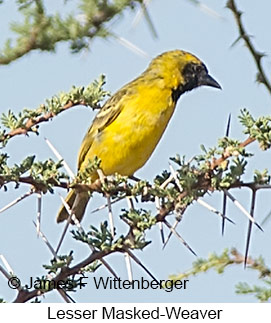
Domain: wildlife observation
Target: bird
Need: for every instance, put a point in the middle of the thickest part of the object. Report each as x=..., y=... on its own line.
x=128, y=127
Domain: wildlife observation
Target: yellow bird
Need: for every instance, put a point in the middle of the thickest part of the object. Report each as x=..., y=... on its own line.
x=129, y=126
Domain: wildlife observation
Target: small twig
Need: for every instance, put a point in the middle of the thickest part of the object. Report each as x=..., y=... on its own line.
x=130, y=202
x=30, y=123
x=251, y=185
x=257, y=56
x=27, y=46
x=227, y=259
x=216, y=162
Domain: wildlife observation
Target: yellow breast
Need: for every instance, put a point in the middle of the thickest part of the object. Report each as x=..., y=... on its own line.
x=126, y=144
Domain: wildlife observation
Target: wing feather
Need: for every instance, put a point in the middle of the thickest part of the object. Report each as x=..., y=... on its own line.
x=108, y=113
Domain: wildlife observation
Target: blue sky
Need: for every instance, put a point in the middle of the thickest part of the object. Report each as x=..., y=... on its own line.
x=200, y=118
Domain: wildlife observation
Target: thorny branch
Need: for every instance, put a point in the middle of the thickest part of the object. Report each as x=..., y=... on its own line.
x=25, y=295
x=30, y=123
x=44, y=31
x=227, y=259
x=28, y=120
x=202, y=183
x=216, y=162
x=257, y=56
x=216, y=262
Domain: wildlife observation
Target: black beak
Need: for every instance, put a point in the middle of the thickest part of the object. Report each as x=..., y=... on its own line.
x=205, y=79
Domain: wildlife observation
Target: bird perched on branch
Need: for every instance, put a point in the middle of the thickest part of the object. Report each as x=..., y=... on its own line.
x=129, y=126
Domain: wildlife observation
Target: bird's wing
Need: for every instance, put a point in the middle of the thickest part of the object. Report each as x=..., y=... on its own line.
x=109, y=112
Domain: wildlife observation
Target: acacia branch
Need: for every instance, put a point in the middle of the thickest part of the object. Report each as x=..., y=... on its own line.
x=46, y=31
x=32, y=122
x=29, y=120
x=228, y=258
x=257, y=56
x=217, y=162
x=28, y=45
x=204, y=182
x=25, y=295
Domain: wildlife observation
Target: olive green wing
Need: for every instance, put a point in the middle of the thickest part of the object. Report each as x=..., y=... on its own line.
x=109, y=112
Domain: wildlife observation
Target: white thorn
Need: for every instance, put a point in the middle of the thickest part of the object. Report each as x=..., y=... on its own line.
x=209, y=207
x=81, y=230
x=59, y=157
x=174, y=174
x=106, y=205
x=167, y=181
x=42, y=235
x=128, y=266
x=241, y=208
x=38, y=213
x=110, y=216
x=109, y=205
x=126, y=43
x=7, y=265
x=140, y=13
x=17, y=200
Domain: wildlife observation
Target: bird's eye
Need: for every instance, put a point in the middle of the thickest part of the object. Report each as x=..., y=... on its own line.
x=198, y=68
x=192, y=71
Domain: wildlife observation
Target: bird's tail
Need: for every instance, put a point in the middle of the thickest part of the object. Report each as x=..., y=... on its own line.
x=77, y=202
